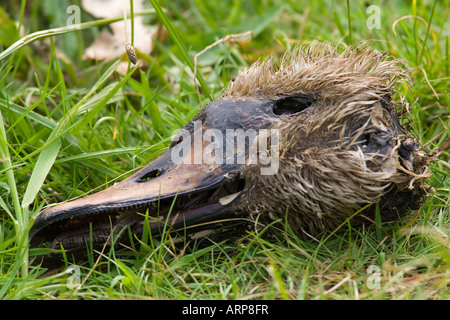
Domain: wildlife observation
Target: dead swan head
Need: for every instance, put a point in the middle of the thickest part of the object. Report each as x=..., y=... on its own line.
x=313, y=141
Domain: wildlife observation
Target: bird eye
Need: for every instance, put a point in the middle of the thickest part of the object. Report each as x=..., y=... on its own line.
x=291, y=105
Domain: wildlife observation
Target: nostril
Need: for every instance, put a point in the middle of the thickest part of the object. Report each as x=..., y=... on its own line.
x=149, y=176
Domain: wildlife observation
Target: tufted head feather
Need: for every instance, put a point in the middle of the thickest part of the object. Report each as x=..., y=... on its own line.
x=319, y=69
x=341, y=153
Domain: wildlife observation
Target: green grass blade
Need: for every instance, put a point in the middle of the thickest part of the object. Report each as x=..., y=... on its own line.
x=48, y=155
x=25, y=111
x=96, y=109
x=5, y=159
x=5, y=207
x=176, y=38
x=21, y=219
x=350, y=40
x=419, y=60
x=19, y=110
x=43, y=165
x=378, y=225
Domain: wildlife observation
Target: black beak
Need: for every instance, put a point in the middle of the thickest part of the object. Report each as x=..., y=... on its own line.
x=194, y=183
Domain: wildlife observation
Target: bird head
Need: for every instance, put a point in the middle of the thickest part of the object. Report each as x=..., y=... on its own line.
x=313, y=138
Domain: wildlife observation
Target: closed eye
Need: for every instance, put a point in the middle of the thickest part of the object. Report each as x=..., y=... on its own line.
x=291, y=104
